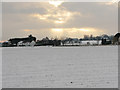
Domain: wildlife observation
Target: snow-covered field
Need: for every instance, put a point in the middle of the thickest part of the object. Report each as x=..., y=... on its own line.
x=60, y=67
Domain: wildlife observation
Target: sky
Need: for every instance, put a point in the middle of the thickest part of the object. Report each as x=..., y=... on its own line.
x=0, y=21
x=58, y=19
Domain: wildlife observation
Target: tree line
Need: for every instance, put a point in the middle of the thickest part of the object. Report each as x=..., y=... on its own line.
x=30, y=40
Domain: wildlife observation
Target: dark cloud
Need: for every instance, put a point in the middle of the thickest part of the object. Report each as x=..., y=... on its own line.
x=0, y=21
x=97, y=15
x=22, y=8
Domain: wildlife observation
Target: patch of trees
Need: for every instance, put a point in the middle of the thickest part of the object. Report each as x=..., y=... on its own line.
x=47, y=42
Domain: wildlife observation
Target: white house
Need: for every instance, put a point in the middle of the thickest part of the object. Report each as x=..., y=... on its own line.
x=91, y=42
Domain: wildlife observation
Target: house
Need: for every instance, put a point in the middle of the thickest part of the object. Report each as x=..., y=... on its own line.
x=71, y=41
x=15, y=41
x=90, y=42
x=5, y=44
x=116, y=39
x=106, y=40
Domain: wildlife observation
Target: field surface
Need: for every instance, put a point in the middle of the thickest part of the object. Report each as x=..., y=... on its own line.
x=60, y=67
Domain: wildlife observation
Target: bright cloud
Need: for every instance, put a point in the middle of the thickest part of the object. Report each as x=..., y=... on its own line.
x=75, y=32
x=58, y=15
x=27, y=30
x=57, y=30
x=88, y=29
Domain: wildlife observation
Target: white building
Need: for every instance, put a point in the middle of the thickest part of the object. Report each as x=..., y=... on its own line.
x=91, y=42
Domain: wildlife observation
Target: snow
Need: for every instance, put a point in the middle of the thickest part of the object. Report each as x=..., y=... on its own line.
x=0, y=68
x=26, y=44
x=60, y=67
x=85, y=42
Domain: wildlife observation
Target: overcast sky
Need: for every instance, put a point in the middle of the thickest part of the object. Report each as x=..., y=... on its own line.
x=61, y=19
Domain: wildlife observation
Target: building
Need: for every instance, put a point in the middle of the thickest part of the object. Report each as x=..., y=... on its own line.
x=116, y=39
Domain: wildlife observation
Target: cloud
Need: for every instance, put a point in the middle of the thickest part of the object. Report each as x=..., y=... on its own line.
x=72, y=17
x=27, y=30
x=24, y=7
x=75, y=32
x=93, y=15
x=57, y=15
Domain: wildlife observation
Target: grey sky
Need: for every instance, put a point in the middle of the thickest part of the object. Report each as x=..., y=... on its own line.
x=0, y=21
x=70, y=19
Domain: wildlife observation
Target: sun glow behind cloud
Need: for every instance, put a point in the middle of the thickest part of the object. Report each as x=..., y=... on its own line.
x=56, y=15
x=55, y=3
x=57, y=30
x=74, y=32
x=27, y=30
